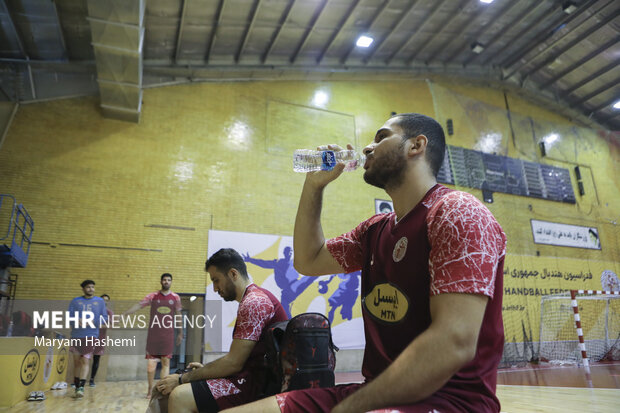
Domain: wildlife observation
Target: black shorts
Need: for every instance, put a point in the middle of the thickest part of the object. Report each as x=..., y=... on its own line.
x=203, y=397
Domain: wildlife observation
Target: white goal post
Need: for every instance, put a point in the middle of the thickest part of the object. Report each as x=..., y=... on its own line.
x=579, y=327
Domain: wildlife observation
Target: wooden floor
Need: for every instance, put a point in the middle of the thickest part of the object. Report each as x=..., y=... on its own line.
x=521, y=390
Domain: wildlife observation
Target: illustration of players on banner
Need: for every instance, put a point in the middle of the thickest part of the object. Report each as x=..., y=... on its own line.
x=269, y=259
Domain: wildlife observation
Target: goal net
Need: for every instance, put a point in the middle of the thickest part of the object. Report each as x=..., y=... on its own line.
x=579, y=327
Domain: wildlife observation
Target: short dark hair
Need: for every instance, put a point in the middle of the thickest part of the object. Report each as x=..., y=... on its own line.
x=165, y=275
x=105, y=295
x=86, y=282
x=225, y=259
x=415, y=124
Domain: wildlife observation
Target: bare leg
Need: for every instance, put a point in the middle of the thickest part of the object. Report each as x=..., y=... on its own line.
x=151, y=366
x=84, y=368
x=268, y=405
x=181, y=400
x=165, y=367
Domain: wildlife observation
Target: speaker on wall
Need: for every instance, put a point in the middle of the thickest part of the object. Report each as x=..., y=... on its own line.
x=580, y=186
x=577, y=172
x=450, y=127
x=543, y=150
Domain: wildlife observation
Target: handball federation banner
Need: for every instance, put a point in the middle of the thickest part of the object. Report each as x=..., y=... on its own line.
x=269, y=259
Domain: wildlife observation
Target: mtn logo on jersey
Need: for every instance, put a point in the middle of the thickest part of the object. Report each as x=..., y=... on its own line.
x=400, y=249
x=387, y=303
x=163, y=310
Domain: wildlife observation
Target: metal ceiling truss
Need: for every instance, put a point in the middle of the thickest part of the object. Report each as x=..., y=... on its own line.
x=403, y=46
x=580, y=62
x=379, y=44
x=581, y=37
x=248, y=30
x=483, y=29
x=367, y=28
x=309, y=29
x=342, y=23
x=613, y=65
x=276, y=34
x=548, y=32
x=216, y=24
x=180, y=31
x=527, y=29
x=606, y=87
x=503, y=31
x=428, y=41
x=459, y=31
x=117, y=28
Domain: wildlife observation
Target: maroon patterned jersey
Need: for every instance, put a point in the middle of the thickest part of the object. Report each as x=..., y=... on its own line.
x=449, y=243
x=258, y=309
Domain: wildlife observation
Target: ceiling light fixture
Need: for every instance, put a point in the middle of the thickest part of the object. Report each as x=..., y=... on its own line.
x=617, y=104
x=364, y=41
x=569, y=7
x=486, y=1
x=477, y=47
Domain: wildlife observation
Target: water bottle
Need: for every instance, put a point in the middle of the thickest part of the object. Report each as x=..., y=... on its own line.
x=9, y=332
x=307, y=160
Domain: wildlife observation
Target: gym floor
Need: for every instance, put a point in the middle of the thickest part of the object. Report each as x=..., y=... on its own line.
x=531, y=389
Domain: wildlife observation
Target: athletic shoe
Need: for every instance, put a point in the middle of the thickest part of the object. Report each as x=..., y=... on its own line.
x=79, y=393
x=61, y=385
x=55, y=386
x=73, y=385
x=32, y=396
x=91, y=383
x=40, y=396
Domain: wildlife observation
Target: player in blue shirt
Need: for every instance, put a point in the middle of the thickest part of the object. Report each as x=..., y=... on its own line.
x=83, y=349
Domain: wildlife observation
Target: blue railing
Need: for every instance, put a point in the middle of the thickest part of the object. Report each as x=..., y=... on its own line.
x=15, y=243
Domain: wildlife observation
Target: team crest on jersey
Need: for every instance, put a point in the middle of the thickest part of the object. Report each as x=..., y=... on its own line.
x=170, y=302
x=387, y=303
x=400, y=249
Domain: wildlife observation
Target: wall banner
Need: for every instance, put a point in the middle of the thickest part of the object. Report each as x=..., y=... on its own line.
x=269, y=259
x=564, y=235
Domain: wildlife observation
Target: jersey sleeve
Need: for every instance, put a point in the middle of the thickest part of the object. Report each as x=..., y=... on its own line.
x=253, y=314
x=177, y=303
x=467, y=244
x=347, y=248
x=147, y=300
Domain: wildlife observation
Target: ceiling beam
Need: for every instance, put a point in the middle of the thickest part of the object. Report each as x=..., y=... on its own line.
x=309, y=29
x=378, y=45
x=343, y=22
x=216, y=23
x=585, y=98
x=603, y=105
x=366, y=29
x=180, y=30
x=276, y=34
x=546, y=33
x=580, y=62
x=560, y=51
x=248, y=30
x=504, y=30
x=531, y=26
x=61, y=34
x=614, y=64
x=463, y=46
x=452, y=15
x=20, y=44
x=427, y=18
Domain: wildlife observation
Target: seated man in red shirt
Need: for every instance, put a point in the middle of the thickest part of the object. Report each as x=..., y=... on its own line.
x=431, y=290
x=237, y=377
